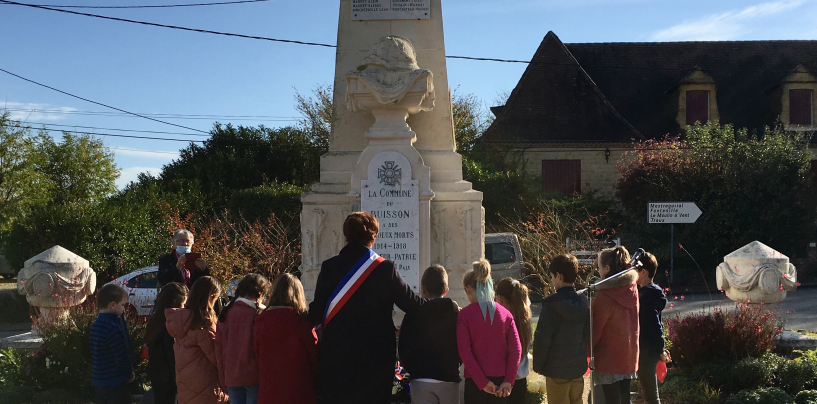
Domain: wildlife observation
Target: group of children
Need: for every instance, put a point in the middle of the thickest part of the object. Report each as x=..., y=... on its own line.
x=628, y=335
x=262, y=349
x=253, y=352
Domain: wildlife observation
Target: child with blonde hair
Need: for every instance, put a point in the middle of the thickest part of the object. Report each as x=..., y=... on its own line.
x=194, y=328
x=487, y=340
x=513, y=295
x=615, y=325
x=285, y=346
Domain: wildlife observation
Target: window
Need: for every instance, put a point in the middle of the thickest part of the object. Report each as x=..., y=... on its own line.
x=697, y=105
x=500, y=253
x=146, y=280
x=563, y=176
x=800, y=107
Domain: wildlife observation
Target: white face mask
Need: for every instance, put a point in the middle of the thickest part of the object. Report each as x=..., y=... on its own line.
x=182, y=249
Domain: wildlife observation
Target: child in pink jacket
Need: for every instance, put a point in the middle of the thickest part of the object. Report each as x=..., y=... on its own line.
x=487, y=341
x=194, y=328
x=237, y=368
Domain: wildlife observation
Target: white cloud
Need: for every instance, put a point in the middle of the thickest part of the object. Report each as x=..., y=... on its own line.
x=146, y=154
x=130, y=174
x=36, y=112
x=724, y=26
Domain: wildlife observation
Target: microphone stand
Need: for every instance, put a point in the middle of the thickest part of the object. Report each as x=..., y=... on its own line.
x=590, y=290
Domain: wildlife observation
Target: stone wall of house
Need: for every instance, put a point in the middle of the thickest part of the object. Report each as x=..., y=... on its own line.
x=597, y=173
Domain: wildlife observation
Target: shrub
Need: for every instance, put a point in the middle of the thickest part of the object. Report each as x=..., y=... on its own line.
x=64, y=359
x=681, y=388
x=711, y=165
x=771, y=395
x=12, y=363
x=536, y=398
x=806, y=397
x=796, y=375
x=731, y=335
x=544, y=225
x=234, y=246
x=750, y=373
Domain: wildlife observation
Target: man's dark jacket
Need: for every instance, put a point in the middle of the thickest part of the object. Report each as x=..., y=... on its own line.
x=358, y=347
x=560, y=342
x=428, y=342
x=651, y=301
x=169, y=273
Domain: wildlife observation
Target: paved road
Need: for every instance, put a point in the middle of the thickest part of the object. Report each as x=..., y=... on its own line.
x=798, y=311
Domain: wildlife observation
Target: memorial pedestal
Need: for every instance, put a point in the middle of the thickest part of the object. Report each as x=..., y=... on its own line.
x=387, y=117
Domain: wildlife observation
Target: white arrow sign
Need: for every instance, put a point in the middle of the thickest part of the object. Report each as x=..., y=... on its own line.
x=673, y=212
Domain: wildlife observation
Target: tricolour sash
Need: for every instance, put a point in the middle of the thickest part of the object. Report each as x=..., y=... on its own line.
x=350, y=283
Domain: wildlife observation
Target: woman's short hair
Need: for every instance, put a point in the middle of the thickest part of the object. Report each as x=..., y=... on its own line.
x=185, y=232
x=360, y=228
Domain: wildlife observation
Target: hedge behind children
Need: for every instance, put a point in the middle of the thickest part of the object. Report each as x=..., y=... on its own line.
x=161, y=369
x=652, y=301
x=111, y=349
x=513, y=295
x=428, y=343
x=487, y=340
x=560, y=344
x=285, y=346
x=234, y=340
x=194, y=328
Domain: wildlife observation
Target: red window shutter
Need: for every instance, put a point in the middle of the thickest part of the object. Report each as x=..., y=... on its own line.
x=800, y=107
x=563, y=176
x=697, y=106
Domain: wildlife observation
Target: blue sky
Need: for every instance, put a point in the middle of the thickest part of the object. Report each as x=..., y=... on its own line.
x=155, y=70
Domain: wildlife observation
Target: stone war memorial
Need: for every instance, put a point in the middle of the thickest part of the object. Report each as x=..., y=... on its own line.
x=392, y=150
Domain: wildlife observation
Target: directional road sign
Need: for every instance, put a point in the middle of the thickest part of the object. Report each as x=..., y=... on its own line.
x=673, y=212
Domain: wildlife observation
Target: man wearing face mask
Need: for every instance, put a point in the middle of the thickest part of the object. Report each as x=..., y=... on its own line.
x=172, y=266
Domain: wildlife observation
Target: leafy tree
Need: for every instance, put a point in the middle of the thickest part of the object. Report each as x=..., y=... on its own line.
x=753, y=187
x=237, y=158
x=80, y=169
x=316, y=115
x=21, y=184
x=470, y=120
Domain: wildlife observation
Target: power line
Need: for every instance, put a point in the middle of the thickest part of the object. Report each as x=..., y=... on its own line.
x=178, y=116
x=158, y=6
x=99, y=103
x=116, y=129
x=125, y=136
x=225, y=33
x=171, y=26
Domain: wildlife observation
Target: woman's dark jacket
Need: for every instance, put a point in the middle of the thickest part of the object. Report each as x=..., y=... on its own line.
x=358, y=348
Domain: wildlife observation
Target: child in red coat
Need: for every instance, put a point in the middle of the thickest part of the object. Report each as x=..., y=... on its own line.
x=285, y=346
x=615, y=323
x=234, y=340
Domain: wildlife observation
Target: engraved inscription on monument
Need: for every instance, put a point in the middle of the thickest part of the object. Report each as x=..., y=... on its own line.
x=392, y=197
x=363, y=10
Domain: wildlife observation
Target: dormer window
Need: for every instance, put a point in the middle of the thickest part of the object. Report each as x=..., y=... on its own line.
x=697, y=106
x=801, y=107
x=798, y=110
x=697, y=99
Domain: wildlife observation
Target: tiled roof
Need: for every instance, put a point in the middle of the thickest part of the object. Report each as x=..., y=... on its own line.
x=602, y=92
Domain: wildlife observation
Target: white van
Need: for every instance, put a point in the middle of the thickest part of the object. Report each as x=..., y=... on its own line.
x=503, y=252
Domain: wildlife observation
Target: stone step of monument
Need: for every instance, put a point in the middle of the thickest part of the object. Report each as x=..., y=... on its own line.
x=795, y=340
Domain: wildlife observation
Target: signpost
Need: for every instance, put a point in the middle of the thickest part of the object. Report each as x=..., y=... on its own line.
x=672, y=213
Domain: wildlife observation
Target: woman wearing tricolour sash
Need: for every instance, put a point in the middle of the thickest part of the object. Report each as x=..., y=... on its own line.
x=353, y=303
